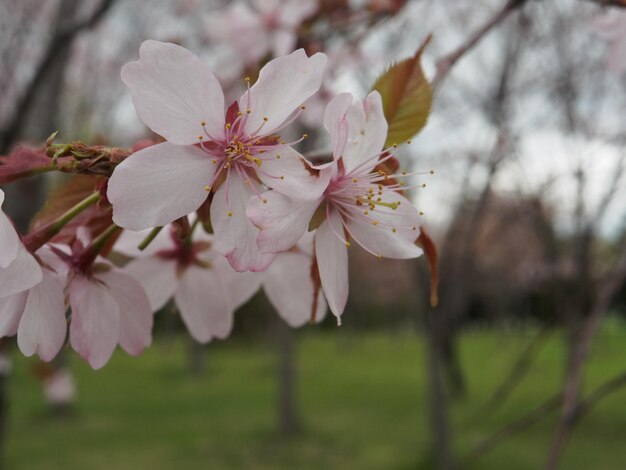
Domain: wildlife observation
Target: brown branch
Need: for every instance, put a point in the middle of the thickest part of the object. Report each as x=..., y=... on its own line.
x=541, y=411
x=60, y=42
x=573, y=379
x=447, y=62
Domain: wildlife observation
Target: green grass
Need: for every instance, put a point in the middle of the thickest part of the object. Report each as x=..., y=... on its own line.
x=361, y=396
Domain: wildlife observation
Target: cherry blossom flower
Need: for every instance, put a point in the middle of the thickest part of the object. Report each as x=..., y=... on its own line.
x=612, y=27
x=270, y=26
x=230, y=154
x=18, y=268
x=108, y=307
x=360, y=203
x=207, y=290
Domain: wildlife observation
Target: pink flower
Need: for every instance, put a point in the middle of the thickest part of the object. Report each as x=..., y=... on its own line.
x=360, y=202
x=612, y=26
x=269, y=27
x=108, y=307
x=206, y=289
x=18, y=268
x=231, y=154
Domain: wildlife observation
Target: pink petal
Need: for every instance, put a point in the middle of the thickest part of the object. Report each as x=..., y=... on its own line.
x=157, y=277
x=174, y=92
x=23, y=273
x=367, y=132
x=9, y=240
x=235, y=236
x=95, y=325
x=289, y=287
x=380, y=239
x=332, y=262
x=11, y=309
x=159, y=184
x=284, y=84
x=292, y=175
x=283, y=42
x=43, y=326
x=239, y=287
x=282, y=220
x=135, y=313
x=336, y=123
x=203, y=304
x=294, y=12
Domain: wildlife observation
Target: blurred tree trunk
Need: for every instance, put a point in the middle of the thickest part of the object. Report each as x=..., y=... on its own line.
x=288, y=418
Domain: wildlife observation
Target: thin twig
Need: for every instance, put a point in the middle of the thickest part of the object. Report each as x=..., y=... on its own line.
x=445, y=63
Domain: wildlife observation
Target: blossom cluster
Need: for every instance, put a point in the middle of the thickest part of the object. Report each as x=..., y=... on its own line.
x=221, y=207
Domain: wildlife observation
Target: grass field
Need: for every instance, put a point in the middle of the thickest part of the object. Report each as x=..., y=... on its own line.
x=361, y=397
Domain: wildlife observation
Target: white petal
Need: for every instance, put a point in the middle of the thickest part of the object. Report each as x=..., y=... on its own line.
x=128, y=242
x=282, y=220
x=292, y=175
x=380, y=239
x=284, y=84
x=367, y=132
x=11, y=309
x=332, y=262
x=174, y=92
x=235, y=236
x=159, y=184
x=136, y=317
x=9, y=240
x=204, y=305
x=23, y=273
x=290, y=289
x=239, y=287
x=95, y=325
x=43, y=326
x=336, y=123
x=157, y=277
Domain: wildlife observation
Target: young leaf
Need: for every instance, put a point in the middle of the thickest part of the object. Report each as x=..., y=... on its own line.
x=407, y=97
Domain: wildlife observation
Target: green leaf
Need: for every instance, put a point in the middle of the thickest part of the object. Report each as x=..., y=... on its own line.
x=407, y=97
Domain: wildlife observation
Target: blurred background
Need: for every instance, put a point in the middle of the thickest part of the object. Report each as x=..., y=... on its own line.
x=521, y=364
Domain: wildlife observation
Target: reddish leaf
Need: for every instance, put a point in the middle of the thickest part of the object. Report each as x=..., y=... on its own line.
x=430, y=250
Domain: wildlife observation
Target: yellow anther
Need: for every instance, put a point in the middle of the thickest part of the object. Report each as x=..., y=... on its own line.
x=207, y=188
x=375, y=222
x=239, y=113
x=248, y=111
x=409, y=141
x=394, y=230
x=366, y=212
x=379, y=256
x=395, y=146
x=277, y=157
x=347, y=244
x=203, y=123
x=304, y=136
x=229, y=214
x=228, y=125
x=282, y=177
x=414, y=228
x=265, y=118
x=423, y=185
x=264, y=201
x=200, y=137
x=303, y=107
x=421, y=213
x=432, y=172
x=261, y=151
x=257, y=161
x=404, y=173
x=247, y=79
x=355, y=180
x=214, y=161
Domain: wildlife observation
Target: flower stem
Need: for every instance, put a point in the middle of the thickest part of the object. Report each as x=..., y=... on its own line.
x=37, y=239
x=151, y=236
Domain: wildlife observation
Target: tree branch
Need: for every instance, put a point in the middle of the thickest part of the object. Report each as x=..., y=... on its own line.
x=447, y=62
x=61, y=41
